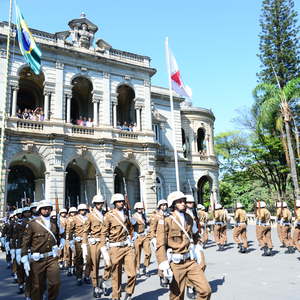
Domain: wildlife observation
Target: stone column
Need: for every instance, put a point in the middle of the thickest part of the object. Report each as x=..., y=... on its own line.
x=68, y=97
x=39, y=189
x=138, y=118
x=46, y=104
x=115, y=114
x=14, y=100
x=142, y=180
x=95, y=113
x=211, y=141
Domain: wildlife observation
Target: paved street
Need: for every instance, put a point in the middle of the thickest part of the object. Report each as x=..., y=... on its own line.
x=233, y=276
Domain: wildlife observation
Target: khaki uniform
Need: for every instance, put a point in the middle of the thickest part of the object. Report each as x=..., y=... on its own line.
x=264, y=218
x=287, y=227
x=64, y=255
x=142, y=242
x=70, y=255
x=240, y=230
x=279, y=224
x=11, y=235
x=258, y=229
x=37, y=239
x=203, y=219
x=296, y=235
x=170, y=236
x=92, y=235
x=75, y=232
x=220, y=226
x=119, y=251
x=5, y=230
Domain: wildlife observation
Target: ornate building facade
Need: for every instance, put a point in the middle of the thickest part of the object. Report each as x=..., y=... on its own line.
x=92, y=122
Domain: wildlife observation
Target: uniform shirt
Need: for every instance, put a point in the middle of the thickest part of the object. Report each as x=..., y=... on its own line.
x=155, y=217
x=286, y=215
x=169, y=235
x=203, y=217
x=94, y=225
x=141, y=223
x=220, y=215
x=113, y=230
x=240, y=216
x=264, y=215
x=278, y=213
x=37, y=239
x=76, y=227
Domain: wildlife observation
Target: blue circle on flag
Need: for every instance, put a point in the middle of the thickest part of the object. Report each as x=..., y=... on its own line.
x=25, y=40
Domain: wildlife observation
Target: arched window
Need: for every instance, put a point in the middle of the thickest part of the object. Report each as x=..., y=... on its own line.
x=200, y=139
x=125, y=109
x=159, y=189
x=184, y=144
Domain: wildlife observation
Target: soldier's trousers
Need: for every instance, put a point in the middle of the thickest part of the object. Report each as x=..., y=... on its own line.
x=70, y=255
x=139, y=244
x=122, y=256
x=204, y=234
x=192, y=272
x=220, y=234
x=286, y=231
x=296, y=238
x=279, y=232
x=95, y=261
x=20, y=274
x=240, y=235
x=78, y=261
x=266, y=236
x=42, y=271
x=259, y=235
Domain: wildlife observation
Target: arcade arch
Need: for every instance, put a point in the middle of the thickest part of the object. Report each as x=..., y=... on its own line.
x=204, y=189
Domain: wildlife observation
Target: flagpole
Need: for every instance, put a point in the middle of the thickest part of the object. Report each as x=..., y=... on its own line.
x=172, y=116
x=2, y=187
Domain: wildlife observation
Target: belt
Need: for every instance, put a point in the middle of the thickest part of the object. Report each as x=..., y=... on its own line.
x=37, y=256
x=142, y=234
x=180, y=258
x=242, y=223
x=219, y=223
x=118, y=244
x=286, y=223
x=264, y=224
x=258, y=223
x=93, y=241
x=78, y=239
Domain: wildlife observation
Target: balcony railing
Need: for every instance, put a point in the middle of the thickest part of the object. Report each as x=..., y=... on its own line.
x=82, y=130
x=31, y=125
x=127, y=135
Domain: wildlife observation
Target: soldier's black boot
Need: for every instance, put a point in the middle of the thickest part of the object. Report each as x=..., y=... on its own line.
x=87, y=280
x=104, y=287
x=270, y=252
x=239, y=245
x=219, y=247
x=290, y=250
x=242, y=249
x=190, y=292
x=21, y=289
x=69, y=272
x=162, y=282
x=127, y=297
x=265, y=248
x=79, y=281
x=97, y=292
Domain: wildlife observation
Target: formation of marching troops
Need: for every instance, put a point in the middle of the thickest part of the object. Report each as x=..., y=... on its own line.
x=39, y=242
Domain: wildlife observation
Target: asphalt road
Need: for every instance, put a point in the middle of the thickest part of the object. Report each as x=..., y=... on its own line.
x=232, y=276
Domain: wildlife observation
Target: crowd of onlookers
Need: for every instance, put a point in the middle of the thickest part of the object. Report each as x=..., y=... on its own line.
x=126, y=126
x=83, y=121
x=30, y=114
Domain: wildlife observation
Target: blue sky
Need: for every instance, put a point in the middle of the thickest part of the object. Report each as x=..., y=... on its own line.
x=215, y=42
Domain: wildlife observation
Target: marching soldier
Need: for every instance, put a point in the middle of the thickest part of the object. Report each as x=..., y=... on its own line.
x=65, y=252
x=296, y=236
x=279, y=222
x=264, y=218
x=258, y=228
x=41, y=239
x=287, y=229
x=240, y=231
x=33, y=209
x=179, y=253
x=11, y=235
x=5, y=239
x=203, y=219
x=70, y=244
x=159, y=214
x=92, y=236
x=75, y=233
x=117, y=229
x=142, y=242
x=220, y=226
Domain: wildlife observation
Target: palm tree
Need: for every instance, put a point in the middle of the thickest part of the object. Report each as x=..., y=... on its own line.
x=273, y=114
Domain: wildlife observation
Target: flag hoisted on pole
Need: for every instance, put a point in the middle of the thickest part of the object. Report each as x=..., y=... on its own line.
x=28, y=47
x=175, y=84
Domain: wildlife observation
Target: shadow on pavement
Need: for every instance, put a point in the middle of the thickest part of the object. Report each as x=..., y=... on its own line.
x=251, y=250
x=215, y=283
x=152, y=294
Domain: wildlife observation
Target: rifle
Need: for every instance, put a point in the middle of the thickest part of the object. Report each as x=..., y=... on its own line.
x=195, y=210
x=128, y=211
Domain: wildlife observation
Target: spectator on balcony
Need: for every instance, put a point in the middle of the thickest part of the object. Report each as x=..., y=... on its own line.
x=89, y=123
x=79, y=121
x=84, y=121
x=41, y=116
x=119, y=125
x=25, y=114
x=125, y=126
x=19, y=114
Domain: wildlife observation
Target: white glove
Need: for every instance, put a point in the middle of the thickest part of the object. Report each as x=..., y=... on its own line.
x=26, y=265
x=62, y=244
x=105, y=256
x=198, y=251
x=132, y=220
x=13, y=254
x=18, y=256
x=84, y=251
x=153, y=243
x=72, y=245
x=55, y=250
x=92, y=241
x=134, y=236
x=3, y=241
x=7, y=247
x=167, y=271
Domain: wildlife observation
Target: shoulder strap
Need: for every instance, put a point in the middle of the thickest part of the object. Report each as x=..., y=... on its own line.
x=119, y=221
x=45, y=227
x=181, y=227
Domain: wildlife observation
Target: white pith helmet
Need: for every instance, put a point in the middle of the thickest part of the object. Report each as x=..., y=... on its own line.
x=190, y=198
x=239, y=205
x=82, y=206
x=175, y=196
x=98, y=199
x=44, y=203
x=72, y=209
x=200, y=206
x=63, y=210
x=138, y=205
x=218, y=206
x=116, y=197
x=161, y=202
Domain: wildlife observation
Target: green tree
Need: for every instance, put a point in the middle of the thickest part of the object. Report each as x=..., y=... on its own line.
x=278, y=41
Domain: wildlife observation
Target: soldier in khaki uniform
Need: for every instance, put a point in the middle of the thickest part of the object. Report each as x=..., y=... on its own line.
x=142, y=242
x=69, y=240
x=286, y=229
x=296, y=235
x=264, y=218
x=5, y=239
x=117, y=229
x=11, y=235
x=92, y=236
x=75, y=235
x=203, y=219
x=180, y=256
x=65, y=252
x=41, y=239
x=240, y=232
x=279, y=222
x=220, y=226
x=258, y=228
x=159, y=214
